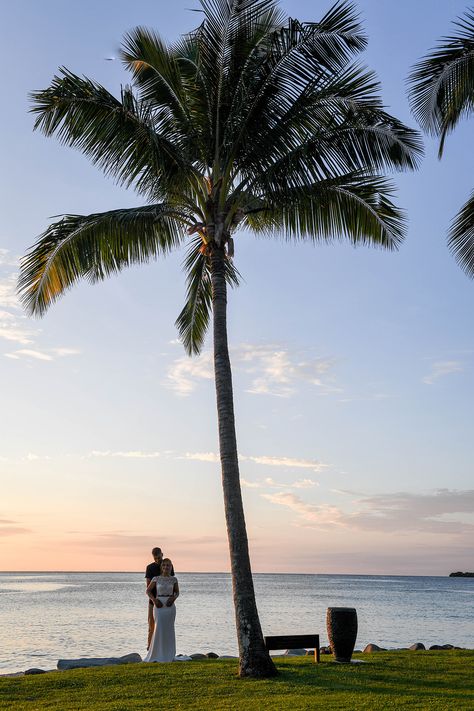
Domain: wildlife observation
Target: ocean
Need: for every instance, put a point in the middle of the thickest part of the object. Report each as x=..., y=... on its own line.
x=49, y=616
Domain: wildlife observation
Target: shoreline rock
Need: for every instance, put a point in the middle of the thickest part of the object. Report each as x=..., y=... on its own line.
x=373, y=648
x=85, y=662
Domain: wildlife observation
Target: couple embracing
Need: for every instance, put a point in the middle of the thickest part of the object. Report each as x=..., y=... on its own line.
x=162, y=589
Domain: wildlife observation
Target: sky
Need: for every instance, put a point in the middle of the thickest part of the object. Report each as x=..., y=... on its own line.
x=353, y=368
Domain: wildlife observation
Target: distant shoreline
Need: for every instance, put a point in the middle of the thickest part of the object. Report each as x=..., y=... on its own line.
x=461, y=575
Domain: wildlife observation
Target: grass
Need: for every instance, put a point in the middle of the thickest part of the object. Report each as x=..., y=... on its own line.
x=388, y=680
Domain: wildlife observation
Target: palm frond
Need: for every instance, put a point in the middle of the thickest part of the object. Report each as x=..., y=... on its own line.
x=441, y=85
x=94, y=247
x=118, y=135
x=334, y=130
x=199, y=93
x=193, y=321
x=461, y=237
x=155, y=71
x=356, y=207
x=293, y=57
x=163, y=82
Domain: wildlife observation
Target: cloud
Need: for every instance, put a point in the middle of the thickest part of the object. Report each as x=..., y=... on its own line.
x=276, y=376
x=8, y=297
x=184, y=372
x=62, y=352
x=270, y=369
x=288, y=462
x=265, y=460
x=250, y=484
x=299, y=484
x=211, y=458
x=28, y=353
x=12, y=322
x=119, y=541
x=441, y=369
x=44, y=355
x=14, y=326
x=277, y=370
x=133, y=454
x=110, y=542
x=441, y=511
x=200, y=541
x=434, y=503
x=268, y=482
x=304, y=484
x=7, y=259
x=11, y=528
x=202, y=456
x=13, y=330
x=12, y=531
x=318, y=515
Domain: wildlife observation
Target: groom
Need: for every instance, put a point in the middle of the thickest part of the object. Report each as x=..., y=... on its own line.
x=152, y=570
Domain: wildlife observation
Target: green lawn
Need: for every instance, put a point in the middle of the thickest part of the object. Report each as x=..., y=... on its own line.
x=388, y=680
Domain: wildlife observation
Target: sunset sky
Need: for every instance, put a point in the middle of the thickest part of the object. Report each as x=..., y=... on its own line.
x=353, y=368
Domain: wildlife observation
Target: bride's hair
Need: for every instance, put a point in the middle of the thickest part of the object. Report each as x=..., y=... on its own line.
x=167, y=560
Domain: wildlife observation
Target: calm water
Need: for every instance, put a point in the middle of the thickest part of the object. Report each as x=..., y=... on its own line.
x=48, y=616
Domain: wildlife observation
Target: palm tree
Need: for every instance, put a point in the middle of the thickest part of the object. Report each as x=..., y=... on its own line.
x=441, y=91
x=251, y=121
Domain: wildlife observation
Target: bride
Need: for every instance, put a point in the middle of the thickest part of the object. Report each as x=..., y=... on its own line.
x=163, y=591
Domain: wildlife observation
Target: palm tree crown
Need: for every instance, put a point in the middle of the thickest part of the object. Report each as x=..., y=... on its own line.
x=251, y=121
x=441, y=92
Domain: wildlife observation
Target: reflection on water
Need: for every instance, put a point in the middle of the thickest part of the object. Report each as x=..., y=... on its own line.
x=48, y=616
x=30, y=586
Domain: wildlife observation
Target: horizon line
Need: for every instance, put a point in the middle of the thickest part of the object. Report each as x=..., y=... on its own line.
x=222, y=572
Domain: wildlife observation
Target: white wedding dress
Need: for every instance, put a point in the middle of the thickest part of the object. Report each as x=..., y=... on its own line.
x=163, y=643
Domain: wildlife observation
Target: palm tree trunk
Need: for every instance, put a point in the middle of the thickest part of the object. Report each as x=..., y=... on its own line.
x=254, y=658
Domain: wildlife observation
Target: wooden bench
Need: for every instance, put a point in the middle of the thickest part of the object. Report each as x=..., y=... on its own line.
x=294, y=641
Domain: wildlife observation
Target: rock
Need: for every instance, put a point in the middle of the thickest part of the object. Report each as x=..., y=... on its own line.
x=198, y=656
x=417, y=646
x=441, y=646
x=98, y=661
x=296, y=652
x=13, y=674
x=34, y=670
x=212, y=655
x=374, y=648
